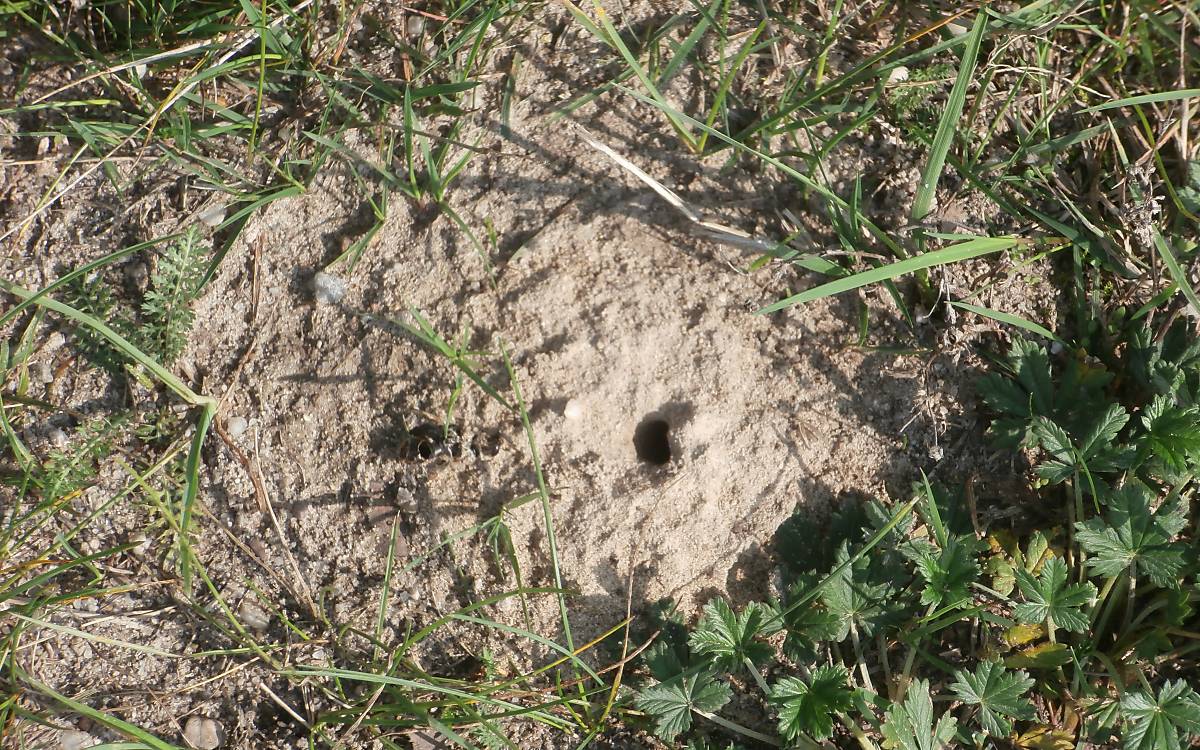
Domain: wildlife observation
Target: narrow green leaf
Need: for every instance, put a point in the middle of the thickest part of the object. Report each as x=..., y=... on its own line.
x=948, y=126
x=973, y=248
x=1155, y=98
x=1009, y=319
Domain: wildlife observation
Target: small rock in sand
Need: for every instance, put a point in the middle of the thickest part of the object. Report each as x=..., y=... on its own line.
x=573, y=410
x=212, y=216
x=73, y=739
x=203, y=733
x=328, y=289
x=236, y=426
x=253, y=617
x=58, y=437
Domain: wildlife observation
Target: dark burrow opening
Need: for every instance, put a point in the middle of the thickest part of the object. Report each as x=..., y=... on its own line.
x=652, y=441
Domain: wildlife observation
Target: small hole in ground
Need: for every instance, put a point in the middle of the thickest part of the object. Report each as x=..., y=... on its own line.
x=652, y=441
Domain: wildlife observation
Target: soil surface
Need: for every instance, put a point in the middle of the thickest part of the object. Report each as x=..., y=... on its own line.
x=675, y=430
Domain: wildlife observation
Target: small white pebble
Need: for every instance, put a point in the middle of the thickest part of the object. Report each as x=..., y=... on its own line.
x=203, y=733
x=898, y=74
x=328, y=289
x=44, y=373
x=141, y=544
x=58, y=437
x=573, y=410
x=415, y=25
x=1056, y=347
x=212, y=216
x=73, y=739
x=956, y=29
x=253, y=616
x=55, y=341
x=236, y=426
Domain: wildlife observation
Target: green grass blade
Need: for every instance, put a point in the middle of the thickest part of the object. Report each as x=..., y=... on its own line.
x=112, y=722
x=1008, y=318
x=1156, y=98
x=117, y=340
x=948, y=126
x=614, y=38
x=1177, y=273
x=953, y=254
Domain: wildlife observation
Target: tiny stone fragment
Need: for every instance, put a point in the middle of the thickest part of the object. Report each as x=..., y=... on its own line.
x=236, y=426
x=573, y=410
x=45, y=373
x=253, y=617
x=58, y=437
x=212, y=216
x=328, y=289
x=141, y=543
x=202, y=733
x=73, y=739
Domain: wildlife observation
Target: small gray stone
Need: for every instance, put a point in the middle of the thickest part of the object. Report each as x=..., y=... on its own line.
x=44, y=372
x=328, y=289
x=203, y=733
x=212, y=216
x=253, y=616
x=73, y=739
x=236, y=426
x=58, y=437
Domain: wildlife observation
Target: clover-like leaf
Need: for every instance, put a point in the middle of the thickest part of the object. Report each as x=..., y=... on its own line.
x=1162, y=722
x=909, y=725
x=1130, y=534
x=1050, y=599
x=999, y=694
x=671, y=703
x=808, y=707
x=732, y=639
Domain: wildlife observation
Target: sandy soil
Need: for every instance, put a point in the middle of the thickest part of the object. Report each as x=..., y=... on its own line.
x=614, y=313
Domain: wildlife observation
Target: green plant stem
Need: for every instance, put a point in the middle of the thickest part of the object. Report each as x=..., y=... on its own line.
x=859, y=735
x=746, y=731
x=762, y=684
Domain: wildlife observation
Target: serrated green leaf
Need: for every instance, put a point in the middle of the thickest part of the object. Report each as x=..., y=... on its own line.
x=1054, y=440
x=1162, y=722
x=1050, y=599
x=910, y=726
x=948, y=573
x=1172, y=433
x=1130, y=534
x=733, y=638
x=809, y=707
x=999, y=695
x=857, y=597
x=806, y=627
x=1104, y=432
x=671, y=703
